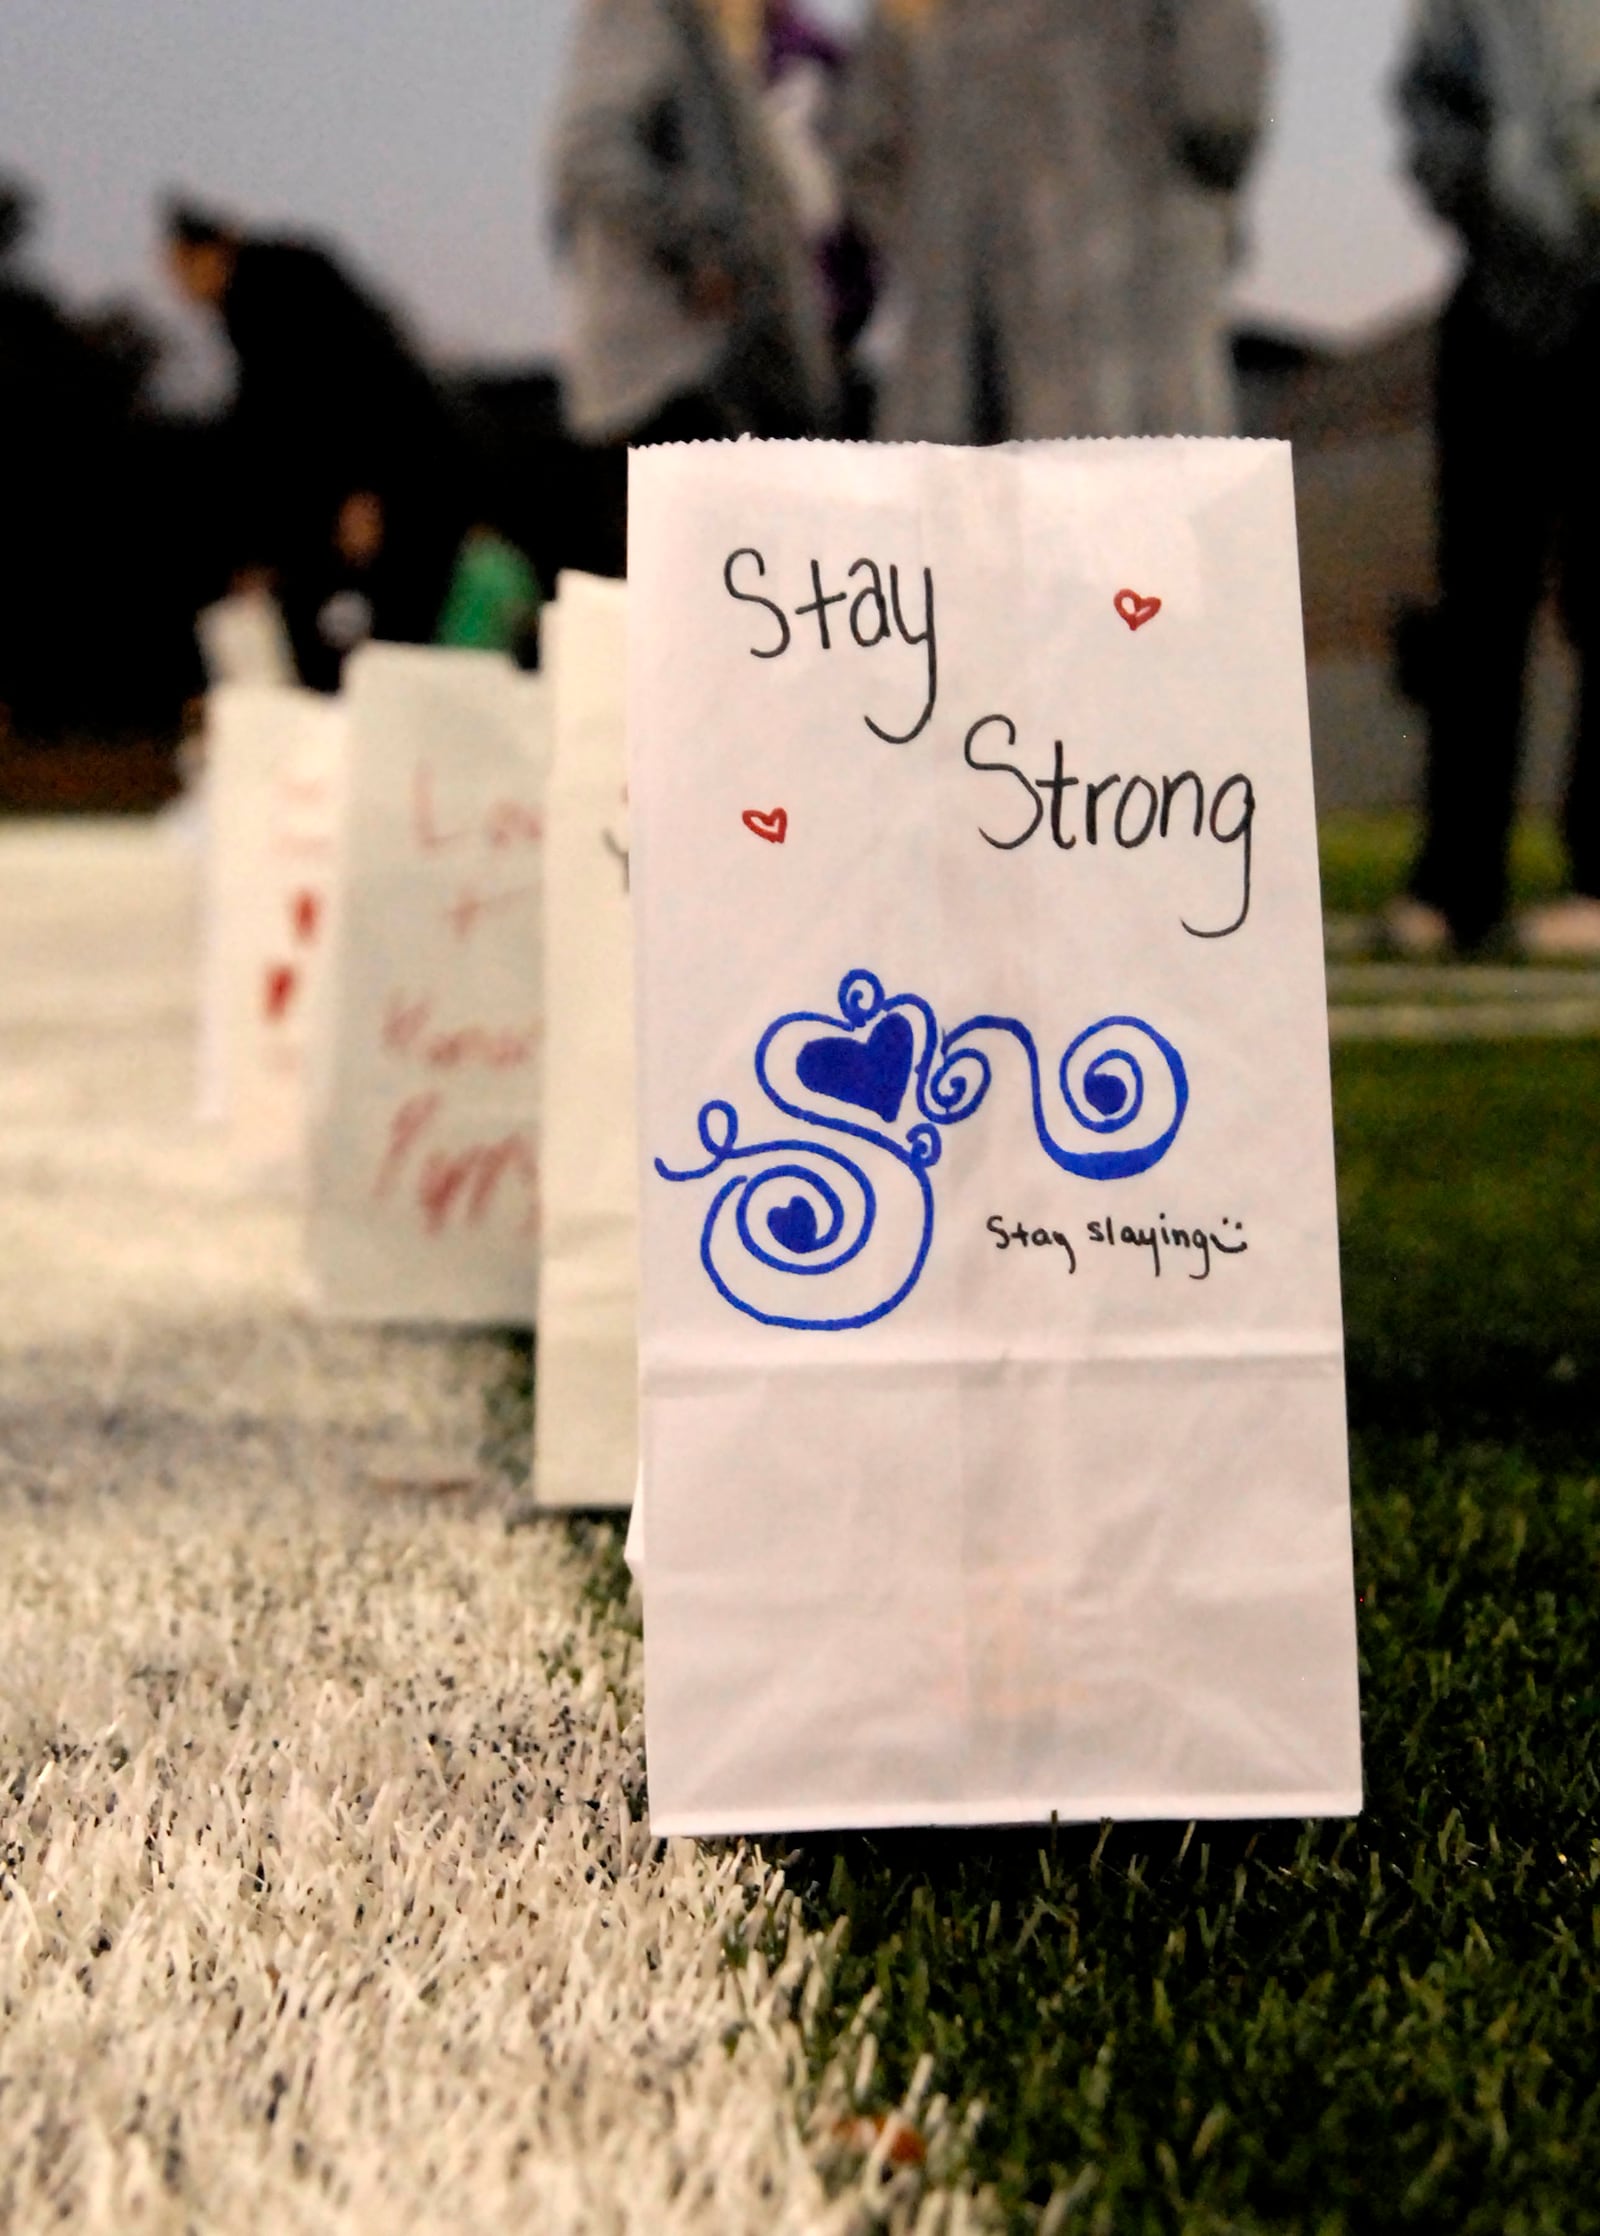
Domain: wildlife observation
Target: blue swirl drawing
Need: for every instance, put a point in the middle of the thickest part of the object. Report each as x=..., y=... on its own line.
x=858, y=1220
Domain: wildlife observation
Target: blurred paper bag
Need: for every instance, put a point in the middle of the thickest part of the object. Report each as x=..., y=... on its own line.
x=586, y=1440
x=424, y=1183
x=992, y=1404
x=243, y=640
x=273, y=765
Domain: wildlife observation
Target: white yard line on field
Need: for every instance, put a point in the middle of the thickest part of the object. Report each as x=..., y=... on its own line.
x=326, y=1905
x=1464, y=1021
x=1441, y=1002
x=1460, y=982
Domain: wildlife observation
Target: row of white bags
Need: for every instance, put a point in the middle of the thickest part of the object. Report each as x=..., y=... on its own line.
x=990, y=1408
x=416, y=1006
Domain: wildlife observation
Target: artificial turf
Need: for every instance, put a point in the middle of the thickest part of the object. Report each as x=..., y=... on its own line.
x=1390, y=2024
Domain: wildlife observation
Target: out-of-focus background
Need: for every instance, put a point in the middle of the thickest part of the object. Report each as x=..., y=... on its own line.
x=327, y=1902
x=419, y=141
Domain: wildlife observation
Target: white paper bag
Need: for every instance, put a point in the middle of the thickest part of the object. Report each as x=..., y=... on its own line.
x=992, y=1387
x=273, y=760
x=424, y=1178
x=586, y=1412
x=243, y=640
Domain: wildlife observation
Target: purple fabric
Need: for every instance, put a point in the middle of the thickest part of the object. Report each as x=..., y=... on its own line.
x=792, y=37
x=843, y=261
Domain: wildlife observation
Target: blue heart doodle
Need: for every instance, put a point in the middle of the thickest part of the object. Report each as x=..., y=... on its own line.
x=1123, y=1088
x=870, y=1074
x=794, y=1226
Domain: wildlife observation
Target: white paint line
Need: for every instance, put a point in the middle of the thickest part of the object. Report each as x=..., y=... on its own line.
x=1466, y=1021
x=328, y=1904
x=1472, y=982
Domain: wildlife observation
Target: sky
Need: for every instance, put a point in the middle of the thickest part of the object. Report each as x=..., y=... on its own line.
x=414, y=131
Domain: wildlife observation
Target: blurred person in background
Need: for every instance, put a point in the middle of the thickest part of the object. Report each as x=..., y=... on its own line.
x=494, y=600
x=39, y=367
x=696, y=308
x=1054, y=191
x=88, y=645
x=1501, y=100
x=348, y=476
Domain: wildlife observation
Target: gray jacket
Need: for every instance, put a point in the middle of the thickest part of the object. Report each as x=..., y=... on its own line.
x=1053, y=183
x=663, y=175
x=1502, y=102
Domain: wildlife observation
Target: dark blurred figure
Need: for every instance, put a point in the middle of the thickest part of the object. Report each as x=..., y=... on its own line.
x=1502, y=103
x=97, y=563
x=36, y=349
x=1054, y=193
x=61, y=404
x=697, y=310
x=349, y=476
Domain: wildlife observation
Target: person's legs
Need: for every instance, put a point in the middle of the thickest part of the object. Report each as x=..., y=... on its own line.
x=1580, y=589
x=990, y=414
x=1581, y=808
x=1495, y=508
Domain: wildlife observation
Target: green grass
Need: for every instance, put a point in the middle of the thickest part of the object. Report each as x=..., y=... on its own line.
x=1393, y=2024
x=1365, y=859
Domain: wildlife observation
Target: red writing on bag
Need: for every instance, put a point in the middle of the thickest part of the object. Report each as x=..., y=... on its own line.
x=278, y=990
x=460, y=1185
x=496, y=827
x=409, y=1030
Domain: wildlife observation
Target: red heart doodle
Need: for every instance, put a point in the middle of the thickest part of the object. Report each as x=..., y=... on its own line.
x=305, y=912
x=279, y=990
x=1136, y=611
x=774, y=828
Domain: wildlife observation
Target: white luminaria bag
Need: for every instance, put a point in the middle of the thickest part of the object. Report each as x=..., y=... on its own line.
x=424, y=1181
x=992, y=1402
x=273, y=763
x=243, y=640
x=585, y=1409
